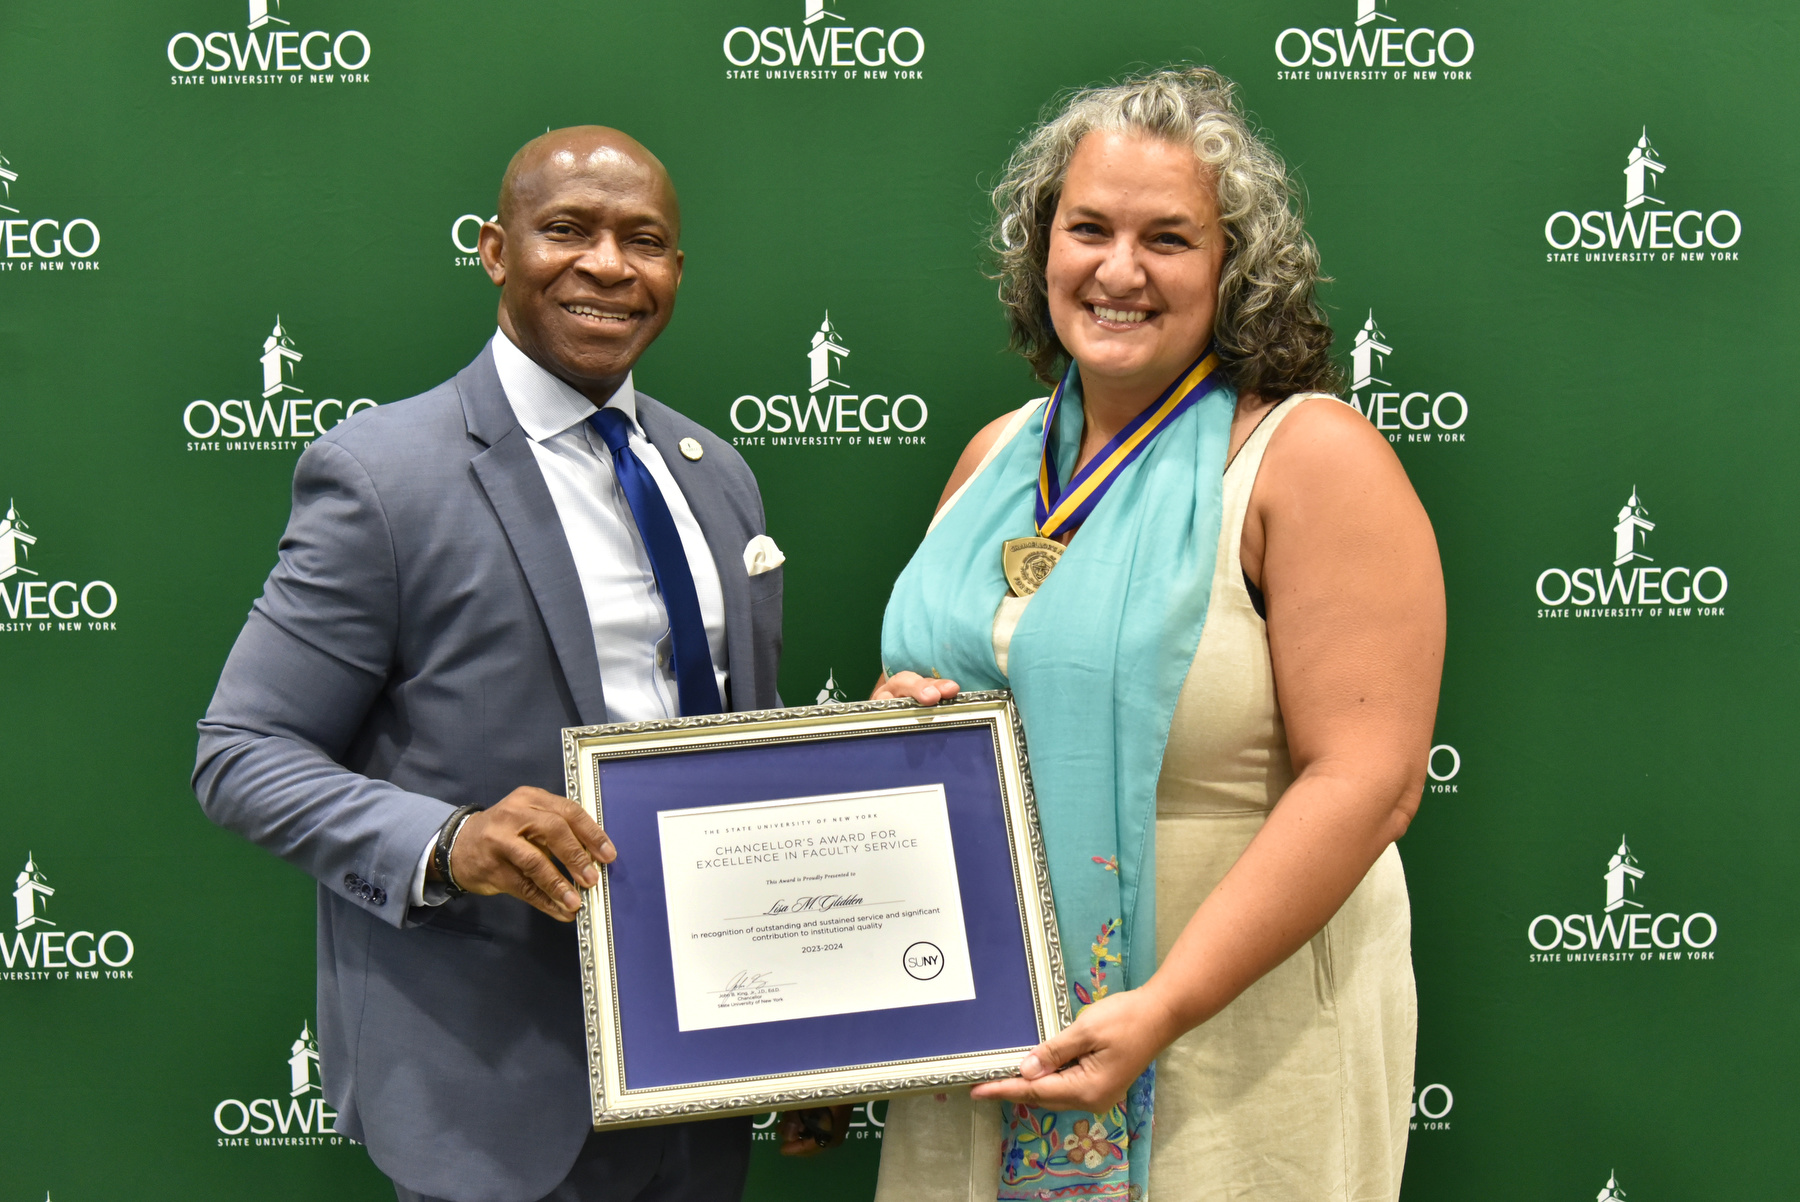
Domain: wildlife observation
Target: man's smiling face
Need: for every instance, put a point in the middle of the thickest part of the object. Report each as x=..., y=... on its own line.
x=586, y=253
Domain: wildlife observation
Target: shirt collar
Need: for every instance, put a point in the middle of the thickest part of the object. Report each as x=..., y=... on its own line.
x=545, y=405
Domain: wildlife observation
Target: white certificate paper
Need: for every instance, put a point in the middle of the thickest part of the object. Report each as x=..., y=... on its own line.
x=813, y=905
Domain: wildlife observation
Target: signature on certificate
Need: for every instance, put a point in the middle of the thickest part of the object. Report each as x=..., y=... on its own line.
x=819, y=901
x=746, y=984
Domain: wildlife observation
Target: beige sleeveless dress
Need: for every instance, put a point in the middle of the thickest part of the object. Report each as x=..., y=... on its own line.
x=1301, y=1089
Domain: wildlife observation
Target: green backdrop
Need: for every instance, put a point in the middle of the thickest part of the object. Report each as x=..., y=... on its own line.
x=1562, y=243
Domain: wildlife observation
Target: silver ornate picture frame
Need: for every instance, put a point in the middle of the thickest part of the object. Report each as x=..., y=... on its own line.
x=702, y=1085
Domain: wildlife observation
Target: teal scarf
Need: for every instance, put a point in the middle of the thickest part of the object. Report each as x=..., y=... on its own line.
x=1097, y=663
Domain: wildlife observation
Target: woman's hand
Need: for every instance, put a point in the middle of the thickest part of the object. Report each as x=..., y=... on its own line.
x=926, y=690
x=1102, y=1052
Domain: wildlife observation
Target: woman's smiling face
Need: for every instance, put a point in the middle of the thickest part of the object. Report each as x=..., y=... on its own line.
x=1135, y=255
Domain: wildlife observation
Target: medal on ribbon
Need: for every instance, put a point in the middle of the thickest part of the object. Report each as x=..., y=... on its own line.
x=1027, y=561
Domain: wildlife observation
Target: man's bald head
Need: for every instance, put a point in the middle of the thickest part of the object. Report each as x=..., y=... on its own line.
x=587, y=253
x=595, y=151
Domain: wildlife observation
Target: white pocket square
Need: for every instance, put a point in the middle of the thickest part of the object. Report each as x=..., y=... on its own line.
x=762, y=555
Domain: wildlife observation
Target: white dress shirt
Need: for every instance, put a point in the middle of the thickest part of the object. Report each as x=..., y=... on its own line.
x=631, y=627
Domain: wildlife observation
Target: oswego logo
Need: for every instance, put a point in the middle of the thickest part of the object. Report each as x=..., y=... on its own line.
x=1431, y=1106
x=31, y=603
x=38, y=244
x=828, y=46
x=301, y=1119
x=1647, y=228
x=1377, y=47
x=40, y=949
x=1625, y=929
x=1611, y=1191
x=828, y=413
x=1405, y=416
x=277, y=420
x=1443, y=766
x=831, y=694
x=274, y=56
x=1635, y=586
x=866, y=1122
x=465, y=235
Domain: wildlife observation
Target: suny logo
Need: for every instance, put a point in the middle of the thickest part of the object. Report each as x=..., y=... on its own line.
x=281, y=420
x=828, y=47
x=42, y=605
x=840, y=418
x=39, y=243
x=1625, y=929
x=40, y=950
x=1646, y=228
x=301, y=1119
x=1635, y=587
x=275, y=56
x=1405, y=416
x=1376, y=47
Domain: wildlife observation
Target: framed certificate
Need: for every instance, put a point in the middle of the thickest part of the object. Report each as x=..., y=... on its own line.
x=812, y=905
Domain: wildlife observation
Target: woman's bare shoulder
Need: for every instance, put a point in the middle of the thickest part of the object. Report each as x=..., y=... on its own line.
x=1326, y=444
x=977, y=450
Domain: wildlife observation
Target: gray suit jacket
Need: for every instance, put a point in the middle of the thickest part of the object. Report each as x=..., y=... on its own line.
x=420, y=644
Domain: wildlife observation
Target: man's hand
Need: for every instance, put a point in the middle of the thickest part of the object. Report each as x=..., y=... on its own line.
x=809, y=1132
x=1100, y=1054
x=513, y=848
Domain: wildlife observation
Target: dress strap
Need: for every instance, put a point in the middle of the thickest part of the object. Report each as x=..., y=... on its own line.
x=1240, y=481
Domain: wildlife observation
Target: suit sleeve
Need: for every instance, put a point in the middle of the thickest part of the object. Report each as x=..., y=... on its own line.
x=312, y=658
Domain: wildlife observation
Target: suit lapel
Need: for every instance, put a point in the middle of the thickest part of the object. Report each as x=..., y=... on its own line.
x=725, y=538
x=508, y=473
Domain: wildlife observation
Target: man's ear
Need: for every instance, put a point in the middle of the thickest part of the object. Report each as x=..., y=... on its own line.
x=491, y=245
x=680, y=260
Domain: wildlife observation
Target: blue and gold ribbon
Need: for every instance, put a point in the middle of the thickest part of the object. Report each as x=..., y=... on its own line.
x=1060, y=510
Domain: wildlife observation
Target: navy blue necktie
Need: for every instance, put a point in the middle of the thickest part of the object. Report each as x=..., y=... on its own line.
x=668, y=559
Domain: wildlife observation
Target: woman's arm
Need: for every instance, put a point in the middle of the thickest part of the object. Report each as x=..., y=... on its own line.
x=1349, y=566
x=922, y=689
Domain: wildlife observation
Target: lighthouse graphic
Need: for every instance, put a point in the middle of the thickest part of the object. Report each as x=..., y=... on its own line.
x=1365, y=12
x=14, y=539
x=278, y=359
x=303, y=1064
x=1629, y=534
x=1610, y=1192
x=8, y=177
x=30, y=896
x=831, y=694
x=1642, y=166
x=1368, y=352
x=815, y=11
x=827, y=349
x=259, y=14
x=1622, y=876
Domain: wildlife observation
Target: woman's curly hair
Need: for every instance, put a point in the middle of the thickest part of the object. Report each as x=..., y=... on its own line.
x=1270, y=333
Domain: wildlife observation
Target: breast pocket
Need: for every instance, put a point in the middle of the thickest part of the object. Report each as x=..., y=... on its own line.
x=765, y=588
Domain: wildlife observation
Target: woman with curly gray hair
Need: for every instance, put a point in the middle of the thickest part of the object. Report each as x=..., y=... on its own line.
x=1228, y=681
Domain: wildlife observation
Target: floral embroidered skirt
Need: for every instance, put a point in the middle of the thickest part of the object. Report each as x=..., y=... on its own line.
x=1299, y=1091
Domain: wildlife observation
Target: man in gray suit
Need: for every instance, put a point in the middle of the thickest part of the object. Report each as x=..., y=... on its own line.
x=531, y=545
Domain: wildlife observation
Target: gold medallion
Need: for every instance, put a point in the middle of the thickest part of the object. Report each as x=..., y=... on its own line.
x=1027, y=562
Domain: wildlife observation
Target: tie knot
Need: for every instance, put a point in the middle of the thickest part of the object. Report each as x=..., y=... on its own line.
x=614, y=428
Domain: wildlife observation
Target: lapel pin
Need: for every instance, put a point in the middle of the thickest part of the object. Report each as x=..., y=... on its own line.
x=691, y=448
